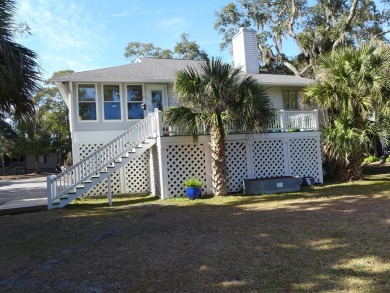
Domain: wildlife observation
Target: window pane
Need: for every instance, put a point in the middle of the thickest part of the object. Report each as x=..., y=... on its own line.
x=111, y=93
x=112, y=110
x=134, y=93
x=294, y=100
x=286, y=100
x=134, y=111
x=87, y=111
x=86, y=92
x=157, y=100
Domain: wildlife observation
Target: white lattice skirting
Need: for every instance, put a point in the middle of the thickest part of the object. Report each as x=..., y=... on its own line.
x=255, y=156
x=133, y=178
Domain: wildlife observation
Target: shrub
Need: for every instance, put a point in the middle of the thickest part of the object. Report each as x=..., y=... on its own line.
x=193, y=182
x=370, y=159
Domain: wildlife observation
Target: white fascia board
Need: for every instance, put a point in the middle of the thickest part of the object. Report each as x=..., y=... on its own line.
x=64, y=91
x=284, y=84
x=122, y=80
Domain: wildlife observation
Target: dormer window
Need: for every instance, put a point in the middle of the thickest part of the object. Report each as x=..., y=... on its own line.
x=86, y=95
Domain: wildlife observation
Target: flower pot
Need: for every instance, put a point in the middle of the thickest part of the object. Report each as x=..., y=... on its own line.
x=194, y=192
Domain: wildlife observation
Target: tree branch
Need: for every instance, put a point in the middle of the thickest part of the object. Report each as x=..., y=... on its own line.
x=292, y=68
x=292, y=20
x=347, y=25
x=378, y=35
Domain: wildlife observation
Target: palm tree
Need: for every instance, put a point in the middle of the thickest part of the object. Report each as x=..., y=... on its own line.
x=352, y=83
x=213, y=96
x=19, y=71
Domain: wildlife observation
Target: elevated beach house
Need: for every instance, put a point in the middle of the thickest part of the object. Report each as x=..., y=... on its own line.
x=121, y=144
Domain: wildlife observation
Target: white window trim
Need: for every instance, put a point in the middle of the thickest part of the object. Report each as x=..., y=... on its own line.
x=126, y=101
x=78, y=103
x=164, y=89
x=120, y=102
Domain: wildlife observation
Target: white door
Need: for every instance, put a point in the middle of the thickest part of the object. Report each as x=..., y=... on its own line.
x=156, y=97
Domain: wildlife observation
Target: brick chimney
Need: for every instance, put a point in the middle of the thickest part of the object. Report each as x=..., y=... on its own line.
x=245, y=50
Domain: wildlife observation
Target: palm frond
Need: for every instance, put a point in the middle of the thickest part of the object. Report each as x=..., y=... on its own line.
x=183, y=118
x=19, y=70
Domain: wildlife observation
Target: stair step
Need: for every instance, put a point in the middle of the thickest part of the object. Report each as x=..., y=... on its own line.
x=56, y=202
x=80, y=186
x=87, y=181
x=95, y=176
x=110, y=166
x=64, y=197
x=72, y=192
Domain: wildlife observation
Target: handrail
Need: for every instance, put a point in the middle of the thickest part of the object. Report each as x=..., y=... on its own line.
x=150, y=127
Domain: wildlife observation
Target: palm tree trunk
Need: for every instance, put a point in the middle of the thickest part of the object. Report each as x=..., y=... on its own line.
x=218, y=162
x=351, y=170
x=342, y=171
x=355, y=167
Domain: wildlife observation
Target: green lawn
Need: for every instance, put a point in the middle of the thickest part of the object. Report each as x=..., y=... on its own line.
x=328, y=238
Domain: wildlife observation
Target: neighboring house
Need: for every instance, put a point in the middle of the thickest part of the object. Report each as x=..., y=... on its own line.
x=105, y=103
x=28, y=164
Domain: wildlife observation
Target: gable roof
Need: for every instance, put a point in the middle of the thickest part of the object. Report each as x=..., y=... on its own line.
x=163, y=71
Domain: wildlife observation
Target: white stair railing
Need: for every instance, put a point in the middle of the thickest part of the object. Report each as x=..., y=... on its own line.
x=150, y=127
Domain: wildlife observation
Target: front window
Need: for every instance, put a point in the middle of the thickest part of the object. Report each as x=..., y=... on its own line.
x=134, y=102
x=112, y=102
x=87, y=101
x=290, y=100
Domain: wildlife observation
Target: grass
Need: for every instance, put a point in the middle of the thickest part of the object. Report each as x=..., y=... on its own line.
x=328, y=238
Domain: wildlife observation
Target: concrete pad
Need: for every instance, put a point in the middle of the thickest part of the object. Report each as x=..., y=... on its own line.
x=23, y=195
x=23, y=206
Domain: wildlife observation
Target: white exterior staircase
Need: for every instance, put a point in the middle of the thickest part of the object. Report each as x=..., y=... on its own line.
x=100, y=165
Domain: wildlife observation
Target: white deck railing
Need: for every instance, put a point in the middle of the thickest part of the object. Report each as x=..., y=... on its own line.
x=299, y=120
x=150, y=127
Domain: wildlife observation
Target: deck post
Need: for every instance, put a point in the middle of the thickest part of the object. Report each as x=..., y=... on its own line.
x=159, y=121
x=109, y=190
x=317, y=124
x=50, y=190
x=282, y=120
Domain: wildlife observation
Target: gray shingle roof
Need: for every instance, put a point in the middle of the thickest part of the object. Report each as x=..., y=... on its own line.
x=163, y=70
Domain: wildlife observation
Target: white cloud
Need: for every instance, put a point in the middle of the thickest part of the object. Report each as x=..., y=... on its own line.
x=136, y=11
x=177, y=23
x=64, y=34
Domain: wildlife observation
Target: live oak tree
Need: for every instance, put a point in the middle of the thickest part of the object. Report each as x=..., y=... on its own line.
x=316, y=27
x=185, y=49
